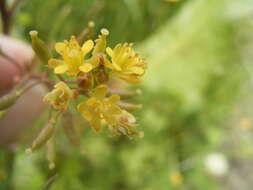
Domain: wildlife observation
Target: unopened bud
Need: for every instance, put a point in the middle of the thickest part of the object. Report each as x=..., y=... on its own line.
x=101, y=75
x=75, y=94
x=91, y=24
x=85, y=81
x=40, y=47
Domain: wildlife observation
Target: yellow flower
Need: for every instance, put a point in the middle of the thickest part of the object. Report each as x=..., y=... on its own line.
x=73, y=56
x=59, y=97
x=125, y=63
x=125, y=125
x=99, y=108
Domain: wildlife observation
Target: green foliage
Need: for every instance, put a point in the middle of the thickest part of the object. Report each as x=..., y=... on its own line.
x=127, y=20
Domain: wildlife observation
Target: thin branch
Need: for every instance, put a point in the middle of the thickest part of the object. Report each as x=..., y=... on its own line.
x=7, y=14
x=61, y=78
x=65, y=81
x=6, y=17
x=43, y=79
x=28, y=87
x=86, y=32
x=49, y=183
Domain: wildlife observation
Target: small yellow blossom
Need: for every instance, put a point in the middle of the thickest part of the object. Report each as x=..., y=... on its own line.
x=73, y=57
x=99, y=108
x=125, y=125
x=59, y=97
x=125, y=63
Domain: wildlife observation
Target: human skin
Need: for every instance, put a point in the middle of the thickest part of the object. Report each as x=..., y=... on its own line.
x=29, y=105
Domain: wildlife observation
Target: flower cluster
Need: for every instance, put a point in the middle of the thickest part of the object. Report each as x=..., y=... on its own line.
x=91, y=66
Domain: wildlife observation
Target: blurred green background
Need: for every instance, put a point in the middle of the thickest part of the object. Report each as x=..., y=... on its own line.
x=196, y=95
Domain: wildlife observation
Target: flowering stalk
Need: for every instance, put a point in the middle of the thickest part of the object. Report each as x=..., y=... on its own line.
x=85, y=69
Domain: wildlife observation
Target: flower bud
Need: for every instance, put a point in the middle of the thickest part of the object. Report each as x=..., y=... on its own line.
x=40, y=47
x=85, y=81
x=60, y=96
x=101, y=75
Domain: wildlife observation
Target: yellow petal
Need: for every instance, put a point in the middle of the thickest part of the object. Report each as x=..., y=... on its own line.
x=96, y=124
x=82, y=106
x=108, y=64
x=110, y=120
x=137, y=70
x=52, y=63
x=87, y=46
x=61, y=69
x=47, y=98
x=74, y=53
x=113, y=109
x=109, y=51
x=116, y=66
x=87, y=115
x=91, y=101
x=73, y=43
x=61, y=85
x=60, y=48
x=86, y=68
x=100, y=92
x=113, y=98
